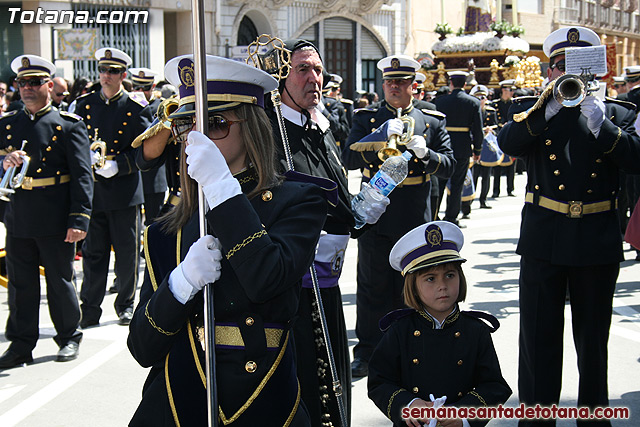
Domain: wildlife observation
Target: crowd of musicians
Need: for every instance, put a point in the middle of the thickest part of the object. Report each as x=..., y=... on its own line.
x=273, y=168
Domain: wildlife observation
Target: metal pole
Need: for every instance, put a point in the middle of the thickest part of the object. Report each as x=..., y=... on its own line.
x=201, y=107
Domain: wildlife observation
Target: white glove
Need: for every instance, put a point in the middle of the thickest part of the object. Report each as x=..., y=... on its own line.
x=418, y=145
x=95, y=157
x=375, y=210
x=437, y=403
x=394, y=127
x=594, y=110
x=552, y=109
x=209, y=168
x=200, y=266
x=110, y=169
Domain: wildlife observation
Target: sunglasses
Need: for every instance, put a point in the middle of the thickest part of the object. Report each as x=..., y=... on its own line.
x=218, y=127
x=32, y=82
x=142, y=88
x=62, y=93
x=560, y=65
x=110, y=70
x=481, y=97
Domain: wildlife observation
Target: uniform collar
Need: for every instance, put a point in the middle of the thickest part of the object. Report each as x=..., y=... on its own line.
x=247, y=178
x=297, y=118
x=41, y=112
x=405, y=111
x=435, y=324
x=113, y=98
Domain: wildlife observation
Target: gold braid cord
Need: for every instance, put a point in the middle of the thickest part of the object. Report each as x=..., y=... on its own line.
x=539, y=103
x=277, y=62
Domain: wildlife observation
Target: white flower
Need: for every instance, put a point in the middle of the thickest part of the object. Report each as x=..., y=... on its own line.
x=477, y=42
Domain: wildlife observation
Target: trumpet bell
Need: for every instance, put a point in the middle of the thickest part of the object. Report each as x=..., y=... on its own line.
x=569, y=90
x=386, y=152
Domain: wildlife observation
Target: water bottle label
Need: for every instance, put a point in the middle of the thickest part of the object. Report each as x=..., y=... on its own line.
x=383, y=183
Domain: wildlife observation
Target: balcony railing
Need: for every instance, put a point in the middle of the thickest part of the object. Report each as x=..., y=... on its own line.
x=591, y=14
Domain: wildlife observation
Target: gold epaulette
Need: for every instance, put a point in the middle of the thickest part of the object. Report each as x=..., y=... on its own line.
x=368, y=146
x=346, y=101
x=434, y=113
x=626, y=104
x=70, y=115
x=539, y=103
x=149, y=133
x=8, y=114
x=489, y=108
x=366, y=109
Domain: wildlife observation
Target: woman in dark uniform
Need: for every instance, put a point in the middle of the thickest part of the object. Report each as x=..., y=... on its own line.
x=266, y=228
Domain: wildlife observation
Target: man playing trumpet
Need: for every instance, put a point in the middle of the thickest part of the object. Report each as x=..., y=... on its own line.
x=379, y=286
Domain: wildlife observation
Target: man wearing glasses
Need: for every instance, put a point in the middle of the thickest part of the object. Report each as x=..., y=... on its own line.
x=570, y=234
x=46, y=215
x=115, y=118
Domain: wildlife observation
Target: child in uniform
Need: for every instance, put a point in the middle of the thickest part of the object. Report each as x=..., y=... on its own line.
x=433, y=348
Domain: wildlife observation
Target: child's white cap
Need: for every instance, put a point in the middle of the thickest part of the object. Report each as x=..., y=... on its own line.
x=429, y=244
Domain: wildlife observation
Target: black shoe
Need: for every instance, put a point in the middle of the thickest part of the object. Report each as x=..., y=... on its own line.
x=495, y=196
x=511, y=195
x=112, y=289
x=68, y=352
x=11, y=359
x=124, y=317
x=484, y=206
x=466, y=216
x=85, y=324
x=359, y=368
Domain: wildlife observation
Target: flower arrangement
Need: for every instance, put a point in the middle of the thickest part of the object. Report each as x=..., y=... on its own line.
x=501, y=28
x=511, y=60
x=515, y=30
x=443, y=29
x=480, y=42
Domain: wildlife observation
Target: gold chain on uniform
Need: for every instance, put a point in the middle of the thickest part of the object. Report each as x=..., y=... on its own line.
x=245, y=242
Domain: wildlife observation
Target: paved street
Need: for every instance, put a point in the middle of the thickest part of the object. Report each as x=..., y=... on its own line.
x=103, y=386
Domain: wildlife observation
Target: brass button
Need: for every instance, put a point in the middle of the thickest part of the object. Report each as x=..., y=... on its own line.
x=249, y=321
x=120, y=132
x=598, y=160
x=115, y=141
x=457, y=335
x=129, y=113
x=8, y=127
x=427, y=127
x=415, y=389
x=251, y=366
x=58, y=127
x=561, y=187
x=537, y=187
x=57, y=172
x=416, y=361
x=88, y=116
x=556, y=172
x=552, y=157
x=88, y=127
x=8, y=136
x=460, y=362
x=177, y=173
x=267, y=196
x=44, y=159
x=48, y=148
x=416, y=333
x=373, y=119
x=410, y=172
x=54, y=138
x=415, y=160
x=87, y=107
x=370, y=166
x=589, y=191
x=373, y=129
x=594, y=175
x=547, y=142
x=124, y=123
x=459, y=394
x=39, y=170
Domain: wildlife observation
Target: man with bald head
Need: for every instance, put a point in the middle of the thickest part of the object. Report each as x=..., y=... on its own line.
x=59, y=93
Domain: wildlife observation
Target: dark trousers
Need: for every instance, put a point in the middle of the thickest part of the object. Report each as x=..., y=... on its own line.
x=24, y=257
x=120, y=228
x=483, y=172
x=152, y=205
x=454, y=199
x=509, y=171
x=379, y=290
x=543, y=288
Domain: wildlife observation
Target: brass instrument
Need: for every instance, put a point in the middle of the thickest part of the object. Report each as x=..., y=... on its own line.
x=165, y=109
x=571, y=89
x=391, y=148
x=100, y=147
x=12, y=181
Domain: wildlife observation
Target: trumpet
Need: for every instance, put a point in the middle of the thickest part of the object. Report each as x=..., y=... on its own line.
x=12, y=181
x=391, y=149
x=571, y=89
x=100, y=147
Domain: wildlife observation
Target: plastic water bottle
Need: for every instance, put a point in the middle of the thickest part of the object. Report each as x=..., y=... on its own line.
x=391, y=173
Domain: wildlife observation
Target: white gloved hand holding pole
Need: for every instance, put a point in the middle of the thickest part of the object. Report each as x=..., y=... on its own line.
x=208, y=167
x=202, y=265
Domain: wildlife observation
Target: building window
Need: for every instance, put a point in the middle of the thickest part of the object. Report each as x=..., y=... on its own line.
x=339, y=60
x=531, y=6
x=247, y=33
x=371, y=77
